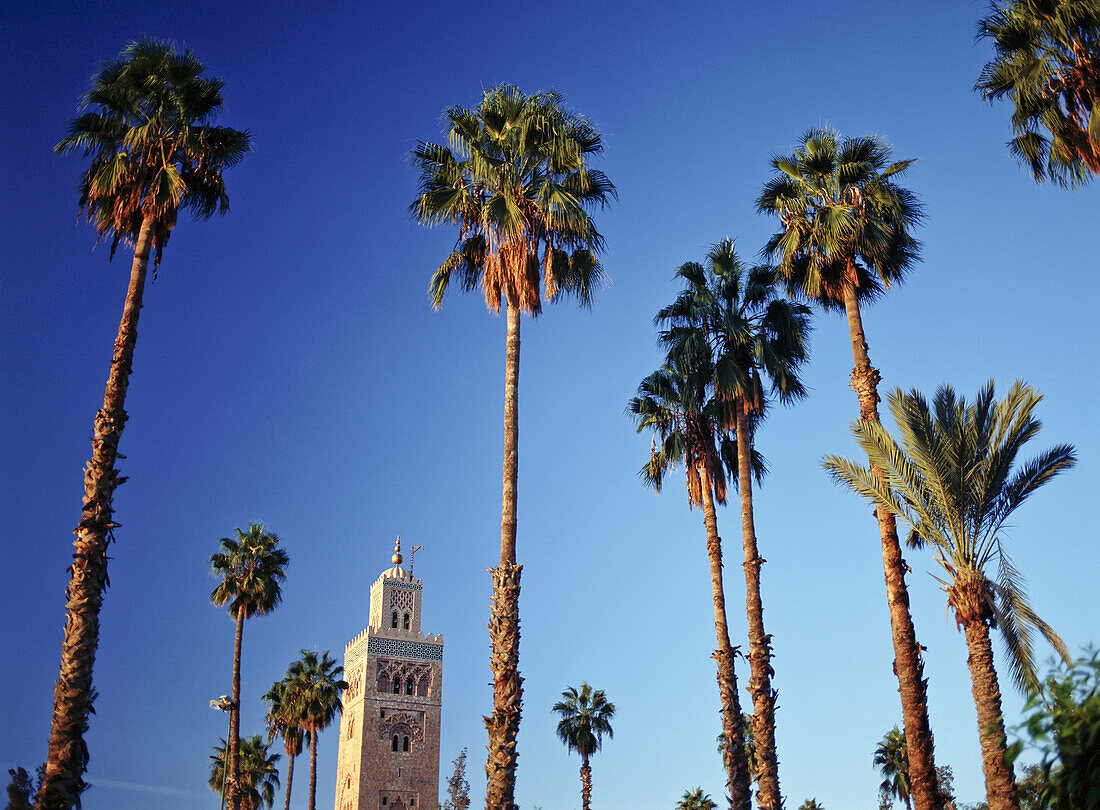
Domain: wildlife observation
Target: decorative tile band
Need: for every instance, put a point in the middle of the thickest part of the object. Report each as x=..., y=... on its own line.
x=405, y=649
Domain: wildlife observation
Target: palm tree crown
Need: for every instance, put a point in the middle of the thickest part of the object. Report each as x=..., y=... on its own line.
x=585, y=718
x=252, y=573
x=733, y=313
x=311, y=696
x=846, y=224
x=258, y=776
x=515, y=179
x=1048, y=64
x=152, y=142
x=696, y=800
x=892, y=761
x=951, y=478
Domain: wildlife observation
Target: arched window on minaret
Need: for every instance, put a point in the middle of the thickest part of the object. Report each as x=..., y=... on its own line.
x=396, y=685
x=409, y=687
x=393, y=620
x=405, y=744
x=406, y=621
x=394, y=746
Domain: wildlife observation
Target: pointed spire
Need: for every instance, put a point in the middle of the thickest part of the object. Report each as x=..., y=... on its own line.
x=397, y=551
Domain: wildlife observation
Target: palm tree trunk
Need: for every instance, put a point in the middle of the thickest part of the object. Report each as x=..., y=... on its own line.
x=763, y=696
x=313, y=769
x=907, y=660
x=67, y=756
x=289, y=776
x=586, y=782
x=1000, y=783
x=737, y=768
x=503, y=725
x=235, y=715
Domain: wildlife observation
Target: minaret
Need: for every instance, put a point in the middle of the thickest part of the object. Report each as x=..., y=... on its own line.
x=389, y=728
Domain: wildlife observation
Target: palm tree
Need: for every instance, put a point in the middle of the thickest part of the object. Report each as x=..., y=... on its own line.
x=750, y=745
x=516, y=181
x=281, y=723
x=1048, y=63
x=148, y=129
x=893, y=763
x=951, y=479
x=673, y=402
x=811, y=804
x=312, y=698
x=251, y=568
x=754, y=335
x=845, y=239
x=696, y=800
x=585, y=718
x=258, y=777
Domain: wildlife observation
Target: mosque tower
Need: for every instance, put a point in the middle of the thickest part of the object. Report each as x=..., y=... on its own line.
x=389, y=728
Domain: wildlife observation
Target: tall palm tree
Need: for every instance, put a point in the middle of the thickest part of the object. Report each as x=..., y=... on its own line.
x=281, y=723
x=585, y=718
x=845, y=239
x=515, y=180
x=258, y=777
x=674, y=403
x=1048, y=64
x=148, y=129
x=754, y=336
x=893, y=763
x=952, y=479
x=312, y=698
x=696, y=800
x=251, y=569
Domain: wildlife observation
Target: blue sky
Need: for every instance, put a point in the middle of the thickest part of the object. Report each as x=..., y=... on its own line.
x=289, y=370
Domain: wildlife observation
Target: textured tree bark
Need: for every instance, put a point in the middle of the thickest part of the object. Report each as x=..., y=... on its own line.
x=1000, y=781
x=67, y=756
x=763, y=696
x=235, y=716
x=503, y=724
x=907, y=660
x=586, y=782
x=313, y=769
x=737, y=768
x=289, y=776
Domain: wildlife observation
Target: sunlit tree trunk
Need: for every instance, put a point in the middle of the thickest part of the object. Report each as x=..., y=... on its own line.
x=1000, y=782
x=737, y=767
x=313, y=769
x=503, y=724
x=291, y=756
x=907, y=659
x=586, y=781
x=67, y=756
x=763, y=696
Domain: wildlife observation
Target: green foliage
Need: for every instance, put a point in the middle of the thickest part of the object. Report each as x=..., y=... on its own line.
x=258, y=776
x=251, y=568
x=1063, y=722
x=21, y=789
x=845, y=222
x=952, y=479
x=1048, y=63
x=515, y=179
x=892, y=760
x=148, y=129
x=458, y=788
x=585, y=718
x=312, y=688
x=811, y=804
x=696, y=800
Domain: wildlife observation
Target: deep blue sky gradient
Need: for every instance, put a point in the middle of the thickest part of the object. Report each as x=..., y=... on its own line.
x=290, y=370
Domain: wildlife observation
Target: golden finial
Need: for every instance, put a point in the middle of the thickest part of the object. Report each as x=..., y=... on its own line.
x=397, y=551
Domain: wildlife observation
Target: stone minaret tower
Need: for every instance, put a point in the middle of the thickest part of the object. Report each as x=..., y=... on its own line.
x=389, y=729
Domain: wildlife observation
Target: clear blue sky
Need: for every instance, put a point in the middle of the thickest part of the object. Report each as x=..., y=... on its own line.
x=289, y=370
